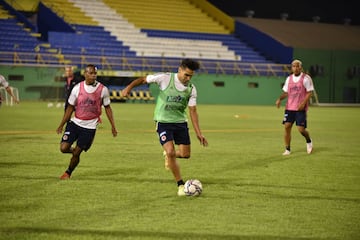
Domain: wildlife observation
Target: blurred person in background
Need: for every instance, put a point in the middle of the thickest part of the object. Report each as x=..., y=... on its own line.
x=71, y=79
x=8, y=89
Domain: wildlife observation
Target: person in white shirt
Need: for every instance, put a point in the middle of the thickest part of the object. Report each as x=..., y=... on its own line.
x=297, y=89
x=177, y=94
x=86, y=100
x=8, y=89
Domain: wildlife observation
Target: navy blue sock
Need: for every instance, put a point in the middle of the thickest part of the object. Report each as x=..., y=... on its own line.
x=180, y=182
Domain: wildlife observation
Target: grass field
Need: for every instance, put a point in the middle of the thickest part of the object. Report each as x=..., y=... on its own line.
x=121, y=190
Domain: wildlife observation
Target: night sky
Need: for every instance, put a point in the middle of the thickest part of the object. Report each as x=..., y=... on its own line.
x=329, y=11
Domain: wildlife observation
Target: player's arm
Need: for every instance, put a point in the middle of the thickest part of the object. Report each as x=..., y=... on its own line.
x=306, y=100
x=67, y=115
x=195, y=122
x=108, y=110
x=139, y=81
x=308, y=84
x=281, y=97
x=10, y=92
x=110, y=116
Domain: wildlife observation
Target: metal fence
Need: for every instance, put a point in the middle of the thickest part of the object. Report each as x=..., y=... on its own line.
x=142, y=64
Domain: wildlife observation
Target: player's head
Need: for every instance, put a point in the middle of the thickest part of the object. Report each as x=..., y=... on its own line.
x=297, y=62
x=190, y=64
x=186, y=70
x=69, y=71
x=90, y=74
x=296, y=67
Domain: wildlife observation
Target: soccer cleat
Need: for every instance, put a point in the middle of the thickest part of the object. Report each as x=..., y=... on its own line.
x=287, y=152
x=181, y=191
x=309, y=147
x=166, y=161
x=65, y=176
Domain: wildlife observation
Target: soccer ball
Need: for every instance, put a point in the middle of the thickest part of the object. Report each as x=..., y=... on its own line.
x=193, y=187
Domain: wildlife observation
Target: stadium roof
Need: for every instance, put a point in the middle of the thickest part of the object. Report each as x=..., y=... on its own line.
x=334, y=12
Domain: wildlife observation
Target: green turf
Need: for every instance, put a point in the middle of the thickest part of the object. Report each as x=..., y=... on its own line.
x=121, y=190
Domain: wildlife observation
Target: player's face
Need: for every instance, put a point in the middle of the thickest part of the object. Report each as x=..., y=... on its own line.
x=185, y=75
x=296, y=68
x=68, y=72
x=90, y=75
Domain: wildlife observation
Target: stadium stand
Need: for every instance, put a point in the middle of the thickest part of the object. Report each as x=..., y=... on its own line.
x=4, y=14
x=109, y=36
x=111, y=17
x=20, y=45
x=69, y=12
x=172, y=15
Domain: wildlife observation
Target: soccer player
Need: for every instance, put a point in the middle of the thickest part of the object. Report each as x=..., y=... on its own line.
x=297, y=89
x=86, y=100
x=176, y=94
x=7, y=87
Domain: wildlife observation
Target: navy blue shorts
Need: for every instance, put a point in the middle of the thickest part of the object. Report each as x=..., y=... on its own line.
x=177, y=132
x=295, y=116
x=83, y=136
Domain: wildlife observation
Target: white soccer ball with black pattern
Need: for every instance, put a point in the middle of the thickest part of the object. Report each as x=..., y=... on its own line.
x=193, y=187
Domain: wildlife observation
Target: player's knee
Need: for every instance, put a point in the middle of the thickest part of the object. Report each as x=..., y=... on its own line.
x=64, y=149
x=185, y=155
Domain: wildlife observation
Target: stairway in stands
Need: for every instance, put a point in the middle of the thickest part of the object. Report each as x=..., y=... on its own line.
x=108, y=16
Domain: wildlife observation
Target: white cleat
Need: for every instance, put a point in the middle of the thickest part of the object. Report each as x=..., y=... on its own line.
x=287, y=152
x=309, y=147
x=181, y=191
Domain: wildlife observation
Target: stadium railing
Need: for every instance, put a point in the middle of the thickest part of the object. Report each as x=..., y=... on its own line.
x=141, y=65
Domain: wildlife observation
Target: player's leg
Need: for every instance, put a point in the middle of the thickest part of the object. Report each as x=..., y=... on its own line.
x=183, y=151
x=165, y=135
x=75, y=159
x=287, y=137
x=301, y=123
x=182, y=139
x=287, y=134
x=68, y=138
x=169, y=148
x=65, y=147
x=288, y=121
x=305, y=133
x=166, y=138
x=174, y=166
x=84, y=142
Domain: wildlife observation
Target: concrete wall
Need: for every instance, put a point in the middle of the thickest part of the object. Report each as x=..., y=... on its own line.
x=333, y=85
x=336, y=83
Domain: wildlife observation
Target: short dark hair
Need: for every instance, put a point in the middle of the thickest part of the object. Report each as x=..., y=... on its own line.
x=189, y=63
x=90, y=66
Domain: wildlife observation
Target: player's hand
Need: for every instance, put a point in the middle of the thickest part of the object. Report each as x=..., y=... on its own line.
x=203, y=141
x=278, y=103
x=59, y=130
x=125, y=92
x=301, y=107
x=114, y=132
